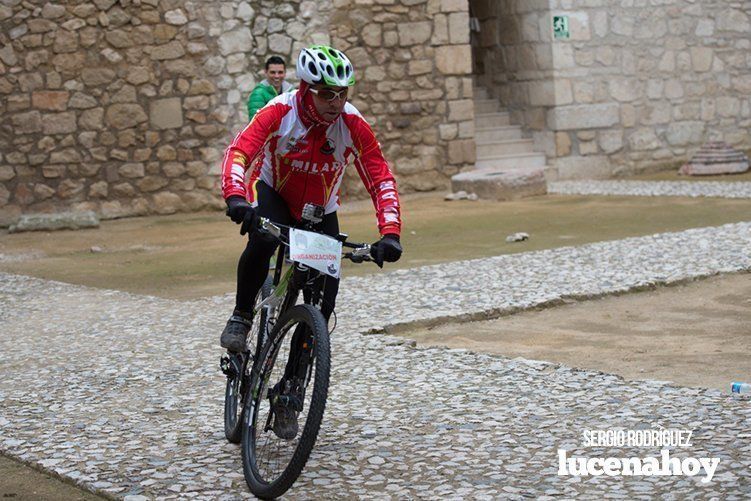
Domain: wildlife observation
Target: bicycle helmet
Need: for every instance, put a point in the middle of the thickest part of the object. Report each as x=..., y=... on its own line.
x=321, y=64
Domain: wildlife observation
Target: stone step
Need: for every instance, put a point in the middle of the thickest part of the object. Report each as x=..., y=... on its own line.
x=491, y=149
x=501, y=184
x=511, y=161
x=487, y=106
x=484, y=120
x=480, y=93
x=490, y=134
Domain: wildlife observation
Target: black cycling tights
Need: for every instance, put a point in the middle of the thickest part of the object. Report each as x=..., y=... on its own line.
x=254, y=262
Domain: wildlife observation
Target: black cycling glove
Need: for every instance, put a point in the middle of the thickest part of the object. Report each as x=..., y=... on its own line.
x=387, y=249
x=241, y=212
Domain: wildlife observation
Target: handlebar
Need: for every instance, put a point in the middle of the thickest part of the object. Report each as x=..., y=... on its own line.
x=360, y=252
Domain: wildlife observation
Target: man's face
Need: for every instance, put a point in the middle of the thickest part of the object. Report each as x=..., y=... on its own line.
x=275, y=74
x=329, y=101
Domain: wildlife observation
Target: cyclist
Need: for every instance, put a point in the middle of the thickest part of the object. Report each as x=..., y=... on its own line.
x=295, y=149
x=273, y=85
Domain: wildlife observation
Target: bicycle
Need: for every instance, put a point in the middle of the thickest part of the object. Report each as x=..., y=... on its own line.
x=264, y=396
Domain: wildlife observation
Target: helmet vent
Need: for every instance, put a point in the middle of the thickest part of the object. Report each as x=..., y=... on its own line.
x=330, y=71
x=312, y=68
x=321, y=56
x=339, y=71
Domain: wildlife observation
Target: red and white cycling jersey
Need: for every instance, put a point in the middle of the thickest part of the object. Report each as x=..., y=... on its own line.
x=304, y=162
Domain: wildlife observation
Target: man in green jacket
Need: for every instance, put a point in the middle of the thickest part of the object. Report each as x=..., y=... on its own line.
x=272, y=86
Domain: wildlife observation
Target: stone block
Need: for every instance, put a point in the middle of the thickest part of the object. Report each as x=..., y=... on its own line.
x=579, y=26
x=66, y=156
x=125, y=116
x=685, y=133
x=644, y=139
x=59, y=123
x=167, y=203
x=6, y=173
x=584, y=116
x=501, y=184
x=166, y=113
x=56, y=221
x=542, y=93
x=459, y=27
x=97, y=76
x=454, y=5
x=587, y=148
x=420, y=67
x=562, y=144
x=624, y=89
x=440, y=30
x=733, y=20
x=43, y=192
x=701, y=58
x=674, y=89
x=280, y=44
x=50, y=100
x=454, y=59
x=460, y=110
x=173, y=169
x=576, y=167
x=372, y=35
x=152, y=183
x=448, y=131
x=461, y=151
x=26, y=123
x=132, y=170
x=611, y=141
x=98, y=190
x=414, y=33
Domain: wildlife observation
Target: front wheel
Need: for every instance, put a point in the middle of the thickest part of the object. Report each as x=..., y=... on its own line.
x=284, y=411
x=237, y=377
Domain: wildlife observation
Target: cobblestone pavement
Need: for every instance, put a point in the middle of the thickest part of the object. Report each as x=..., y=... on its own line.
x=122, y=393
x=735, y=189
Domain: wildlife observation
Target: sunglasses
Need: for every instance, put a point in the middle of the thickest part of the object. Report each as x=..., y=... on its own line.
x=330, y=95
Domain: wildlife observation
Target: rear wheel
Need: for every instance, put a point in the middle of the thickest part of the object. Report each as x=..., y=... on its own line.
x=238, y=377
x=293, y=377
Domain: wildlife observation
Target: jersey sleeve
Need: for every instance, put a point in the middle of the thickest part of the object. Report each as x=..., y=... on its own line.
x=376, y=175
x=245, y=148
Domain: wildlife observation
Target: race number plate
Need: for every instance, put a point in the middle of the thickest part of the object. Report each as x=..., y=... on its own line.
x=320, y=252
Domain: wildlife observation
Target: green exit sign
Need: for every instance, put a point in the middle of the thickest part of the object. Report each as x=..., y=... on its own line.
x=560, y=28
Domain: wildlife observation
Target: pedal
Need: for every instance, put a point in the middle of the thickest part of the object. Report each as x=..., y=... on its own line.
x=231, y=365
x=225, y=365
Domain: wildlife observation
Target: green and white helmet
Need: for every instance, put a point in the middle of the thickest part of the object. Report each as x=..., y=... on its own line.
x=321, y=64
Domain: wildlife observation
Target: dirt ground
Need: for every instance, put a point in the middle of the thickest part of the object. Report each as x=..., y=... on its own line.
x=194, y=255
x=19, y=482
x=696, y=334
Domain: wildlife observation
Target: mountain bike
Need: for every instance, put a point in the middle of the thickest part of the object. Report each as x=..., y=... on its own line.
x=275, y=398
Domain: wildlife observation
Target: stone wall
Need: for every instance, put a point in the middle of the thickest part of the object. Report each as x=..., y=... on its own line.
x=640, y=85
x=415, y=85
x=124, y=107
x=107, y=106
